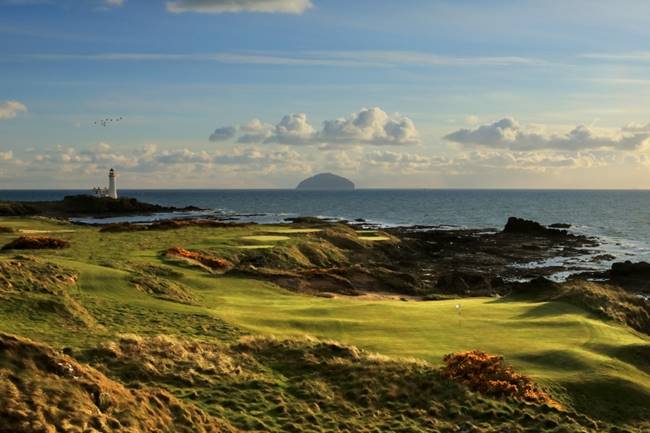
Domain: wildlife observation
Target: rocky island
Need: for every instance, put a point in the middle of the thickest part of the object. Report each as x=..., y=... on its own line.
x=326, y=182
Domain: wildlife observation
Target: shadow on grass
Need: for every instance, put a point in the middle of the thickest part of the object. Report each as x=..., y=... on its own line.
x=637, y=355
x=617, y=400
x=559, y=360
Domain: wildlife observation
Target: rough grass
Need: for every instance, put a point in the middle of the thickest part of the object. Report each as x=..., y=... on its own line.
x=44, y=288
x=588, y=363
x=42, y=390
x=266, y=384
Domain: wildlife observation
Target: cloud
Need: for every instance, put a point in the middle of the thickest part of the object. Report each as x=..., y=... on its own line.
x=151, y=159
x=6, y=156
x=296, y=7
x=255, y=132
x=11, y=109
x=631, y=56
x=350, y=59
x=371, y=126
x=633, y=127
x=293, y=129
x=223, y=133
x=114, y=3
x=508, y=134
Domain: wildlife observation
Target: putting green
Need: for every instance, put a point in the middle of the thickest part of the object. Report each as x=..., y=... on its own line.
x=254, y=247
x=266, y=238
x=374, y=238
x=38, y=232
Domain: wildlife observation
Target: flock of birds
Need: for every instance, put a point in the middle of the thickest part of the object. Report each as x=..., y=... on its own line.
x=107, y=121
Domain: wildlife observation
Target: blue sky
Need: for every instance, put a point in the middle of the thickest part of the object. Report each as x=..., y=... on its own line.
x=456, y=93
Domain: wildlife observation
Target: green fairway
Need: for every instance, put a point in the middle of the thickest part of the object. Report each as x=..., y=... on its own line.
x=588, y=363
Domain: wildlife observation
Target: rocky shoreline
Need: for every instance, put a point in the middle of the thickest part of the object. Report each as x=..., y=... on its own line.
x=86, y=206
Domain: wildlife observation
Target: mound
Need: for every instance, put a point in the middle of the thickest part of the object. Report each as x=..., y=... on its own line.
x=606, y=300
x=29, y=274
x=266, y=384
x=43, y=288
x=6, y=229
x=42, y=390
x=205, y=260
x=36, y=243
x=155, y=281
x=488, y=374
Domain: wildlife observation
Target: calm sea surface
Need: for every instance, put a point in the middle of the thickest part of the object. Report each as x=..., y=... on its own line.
x=620, y=218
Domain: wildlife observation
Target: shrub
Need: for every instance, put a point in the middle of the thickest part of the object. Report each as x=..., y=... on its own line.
x=490, y=375
x=36, y=243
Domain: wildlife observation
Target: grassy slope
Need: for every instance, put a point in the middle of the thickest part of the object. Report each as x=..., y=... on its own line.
x=585, y=361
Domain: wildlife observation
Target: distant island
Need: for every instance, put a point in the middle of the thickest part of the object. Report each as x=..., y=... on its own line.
x=326, y=181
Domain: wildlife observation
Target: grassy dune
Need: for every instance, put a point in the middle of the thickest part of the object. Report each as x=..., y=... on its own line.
x=596, y=367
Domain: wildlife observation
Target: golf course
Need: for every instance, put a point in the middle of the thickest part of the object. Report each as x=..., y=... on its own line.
x=598, y=370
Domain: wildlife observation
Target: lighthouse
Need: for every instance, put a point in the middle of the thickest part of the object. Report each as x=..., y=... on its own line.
x=112, y=187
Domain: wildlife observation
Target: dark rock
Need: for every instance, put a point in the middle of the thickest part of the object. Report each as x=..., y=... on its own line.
x=523, y=226
x=467, y=282
x=629, y=269
x=560, y=226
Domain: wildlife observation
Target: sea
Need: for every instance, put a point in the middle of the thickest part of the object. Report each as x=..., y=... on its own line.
x=620, y=219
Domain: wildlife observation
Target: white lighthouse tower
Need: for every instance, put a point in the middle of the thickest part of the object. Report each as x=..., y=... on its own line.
x=112, y=187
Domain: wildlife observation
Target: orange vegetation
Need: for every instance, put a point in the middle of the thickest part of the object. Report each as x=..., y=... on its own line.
x=36, y=243
x=490, y=375
x=214, y=263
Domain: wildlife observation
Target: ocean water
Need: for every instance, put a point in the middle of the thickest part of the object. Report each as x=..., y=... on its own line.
x=620, y=219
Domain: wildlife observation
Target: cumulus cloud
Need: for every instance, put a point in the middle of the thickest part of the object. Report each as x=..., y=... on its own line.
x=11, y=109
x=370, y=126
x=293, y=129
x=296, y=7
x=223, y=133
x=634, y=127
x=255, y=132
x=507, y=133
x=6, y=156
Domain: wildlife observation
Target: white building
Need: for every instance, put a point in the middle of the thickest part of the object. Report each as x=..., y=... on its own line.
x=111, y=191
x=112, y=185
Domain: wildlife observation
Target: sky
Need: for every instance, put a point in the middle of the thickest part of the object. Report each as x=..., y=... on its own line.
x=263, y=93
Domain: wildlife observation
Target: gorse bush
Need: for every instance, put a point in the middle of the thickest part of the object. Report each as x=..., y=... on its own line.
x=490, y=375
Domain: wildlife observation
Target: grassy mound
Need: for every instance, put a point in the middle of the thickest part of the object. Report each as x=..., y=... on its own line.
x=36, y=243
x=266, y=384
x=29, y=274
x=157, y=281
x=41, y=288
x=42, y=390
x=488, y=374
x=606, y=300
x=210, y=262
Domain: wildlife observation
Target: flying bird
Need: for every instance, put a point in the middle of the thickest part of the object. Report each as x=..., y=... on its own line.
x=106, y=121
